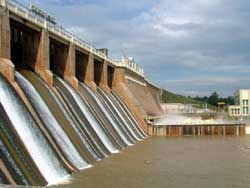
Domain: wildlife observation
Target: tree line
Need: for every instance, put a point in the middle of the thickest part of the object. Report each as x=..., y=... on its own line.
x=214, y=98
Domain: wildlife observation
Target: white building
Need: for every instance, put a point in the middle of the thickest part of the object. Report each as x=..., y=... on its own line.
x=242, y=105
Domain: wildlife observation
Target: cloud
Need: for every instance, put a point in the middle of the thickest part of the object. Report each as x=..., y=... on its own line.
x=206, y=85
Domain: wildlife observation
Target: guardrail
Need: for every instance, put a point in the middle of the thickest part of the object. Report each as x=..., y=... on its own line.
x=131, y=66
x=24, y=12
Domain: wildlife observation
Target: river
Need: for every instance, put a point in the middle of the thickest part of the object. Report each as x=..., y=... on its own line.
x=188, y=162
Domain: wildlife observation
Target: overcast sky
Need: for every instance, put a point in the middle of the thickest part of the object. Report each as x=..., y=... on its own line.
x=191, y=47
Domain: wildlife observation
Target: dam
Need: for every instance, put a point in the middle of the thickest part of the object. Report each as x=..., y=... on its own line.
x=71, y=116
x=64, y=104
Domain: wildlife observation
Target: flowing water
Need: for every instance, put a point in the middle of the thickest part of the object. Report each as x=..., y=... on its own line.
x=116, y=118
x=7, y=158
x=116, y=110
x=63, y=116
x=106, y=125
x=38, y=147
x=13, y=154
x=106, y=141
x=161, y=162
x=85, y=126
x=108, y=116
x=51, y=123
x=129, y=114
x=127, y=117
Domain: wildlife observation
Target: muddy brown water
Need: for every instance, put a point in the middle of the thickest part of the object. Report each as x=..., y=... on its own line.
x=190, y=162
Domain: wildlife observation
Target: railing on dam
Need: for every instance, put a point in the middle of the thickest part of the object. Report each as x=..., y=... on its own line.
x=22, y=11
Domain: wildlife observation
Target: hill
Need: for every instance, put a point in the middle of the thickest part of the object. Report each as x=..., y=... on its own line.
x=169, y=97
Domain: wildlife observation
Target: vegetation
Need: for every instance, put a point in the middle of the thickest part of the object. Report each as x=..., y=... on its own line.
x=214, y=99
x=199, y=102
x=169, y=97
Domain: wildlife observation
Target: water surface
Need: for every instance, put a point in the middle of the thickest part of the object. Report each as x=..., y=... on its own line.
x=173, y=162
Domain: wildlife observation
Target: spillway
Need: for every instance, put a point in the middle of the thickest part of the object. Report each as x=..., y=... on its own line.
x=127, y=120
x=96, y=143
x=99, y=105
x=129, y=114
x=19, y=177
x=34, y=140
x=7, y=158
x=116, y=111
x=52, y=124
x=115, y=117
x=63, y=116
x=101, y=119
x=101, y=122
x=13, y=153
x=84, y=109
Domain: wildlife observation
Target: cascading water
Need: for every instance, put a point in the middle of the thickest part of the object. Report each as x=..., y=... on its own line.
x=101, y=118
x=82, y=138
x=115, y=117
x=86, y=128
x=5, y=155
x=89, y=117
x=114, y=94
x=126, y=117
x=117, y=111
x=110, y=119
x=34, y=140
x=61, y=114
x=28, y=172
x=51, y=124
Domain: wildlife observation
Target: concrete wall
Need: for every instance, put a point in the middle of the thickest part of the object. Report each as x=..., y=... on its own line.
x=120, y=85
x=145, y=96
x=5, y=34
x=156, y=93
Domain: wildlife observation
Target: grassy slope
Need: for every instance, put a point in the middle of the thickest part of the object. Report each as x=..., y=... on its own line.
x=168, y=97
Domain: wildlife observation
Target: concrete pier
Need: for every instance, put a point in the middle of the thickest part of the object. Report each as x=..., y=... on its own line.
x=4, y=33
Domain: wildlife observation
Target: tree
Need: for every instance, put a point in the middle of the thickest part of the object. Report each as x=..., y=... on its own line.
x=213, y=99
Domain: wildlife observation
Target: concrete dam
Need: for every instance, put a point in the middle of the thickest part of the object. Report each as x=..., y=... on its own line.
x=63, y=104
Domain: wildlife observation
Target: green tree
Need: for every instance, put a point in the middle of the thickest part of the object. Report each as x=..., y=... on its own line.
x=213, y=99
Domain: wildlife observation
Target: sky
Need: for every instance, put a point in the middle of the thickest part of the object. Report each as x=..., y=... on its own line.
x=190, y=47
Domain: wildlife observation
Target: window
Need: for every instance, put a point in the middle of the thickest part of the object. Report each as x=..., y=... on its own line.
x=245, y=102
x=247, y=110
